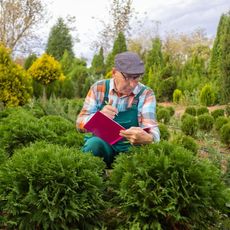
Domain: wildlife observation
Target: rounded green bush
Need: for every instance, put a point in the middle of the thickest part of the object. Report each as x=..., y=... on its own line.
x=207, y=95
x=201, y=110
x=190, y=110
x=177, y=96
x=205, y=122
x=47, y=186
x=217, y=113
x=163, y=115
x=189, y=125
x=220, y=121
x=164, y=132
x=171, y=110
x=225, y=134
x=187, y=142
x=164, y=185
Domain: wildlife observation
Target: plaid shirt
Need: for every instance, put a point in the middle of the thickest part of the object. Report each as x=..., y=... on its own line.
x=146, y=105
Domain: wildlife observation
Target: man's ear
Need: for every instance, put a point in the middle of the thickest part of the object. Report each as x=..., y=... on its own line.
x=113, y=71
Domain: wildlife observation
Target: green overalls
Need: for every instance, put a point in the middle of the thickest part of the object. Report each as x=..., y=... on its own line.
x=126, y=118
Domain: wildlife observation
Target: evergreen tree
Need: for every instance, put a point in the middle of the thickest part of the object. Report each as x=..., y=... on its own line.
x=59, y=40
x=67, y=62
x=97, y=64
x=118, y=47
x=29, y=61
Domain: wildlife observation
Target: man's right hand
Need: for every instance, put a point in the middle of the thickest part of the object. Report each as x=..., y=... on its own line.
x=109, y=110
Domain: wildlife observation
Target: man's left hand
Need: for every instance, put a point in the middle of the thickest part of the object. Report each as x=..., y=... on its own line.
x=136, y=135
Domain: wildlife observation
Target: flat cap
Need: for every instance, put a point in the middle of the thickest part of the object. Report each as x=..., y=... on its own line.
x=129, y=63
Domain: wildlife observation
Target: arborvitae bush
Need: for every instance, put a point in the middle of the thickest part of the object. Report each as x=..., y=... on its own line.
x=217, y=113
x=220, y=121
x=205, y=122
x=171, y=110
x=190, y=110
x=201, y=110
x=187, y=142
x=207, y=95
x=177, y=96
x=164, y=186
x=164, y=132
x=163, y=115
x=47, y=186
x=225, y=134
x=189, y=125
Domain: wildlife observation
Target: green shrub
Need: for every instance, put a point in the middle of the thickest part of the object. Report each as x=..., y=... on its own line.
x=177, y=96
x=227, y=110
x=47, y=186
x=163, y=115
x=190, y=110
x=217, y=113
x=189, y=125
x=164, y=185
x=187, y=142
x=201, y=110
x=3, y=156
x=220, y=121
x=164, y=132
x=205, y=122
x=225, y=134
x=171, y=110
x=207, y=95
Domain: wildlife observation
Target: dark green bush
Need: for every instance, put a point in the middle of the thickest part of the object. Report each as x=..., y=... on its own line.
x=201, y=110
x=163, y=115
x=189, y=125
x=171, y=110
x=217, y=113
x=47, y=186
x=187, y=142
x=225, y=134
x=164, y=132
x=165, y=186
x=190, y=110
x=220, y=121
x=205, y=122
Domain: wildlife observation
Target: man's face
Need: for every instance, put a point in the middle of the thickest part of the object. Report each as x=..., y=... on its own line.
x=125, y=83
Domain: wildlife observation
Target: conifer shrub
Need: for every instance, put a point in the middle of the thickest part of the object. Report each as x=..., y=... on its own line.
x=177, y=96
x=190, y=110
x=171, y=110
x=48, y=186
x=187, y=142
x=205, y=122
x=207, y=95
x=225, y=134
x=163, y=115
x=220, y=121
x=164, y=132
x=164, y=186
x=217, y=113
x=201, y=110
x=189, y=125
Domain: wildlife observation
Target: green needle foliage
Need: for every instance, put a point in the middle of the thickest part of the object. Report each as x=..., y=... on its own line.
x=47, y=186
x=164, y=186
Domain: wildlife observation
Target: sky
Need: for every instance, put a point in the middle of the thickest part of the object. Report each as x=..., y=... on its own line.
x=174, y=15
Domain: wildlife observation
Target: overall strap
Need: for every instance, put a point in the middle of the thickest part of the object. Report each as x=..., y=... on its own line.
x=106, y=95
x=136, y=98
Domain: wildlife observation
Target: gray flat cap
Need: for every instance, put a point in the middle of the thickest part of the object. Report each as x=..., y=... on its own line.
x=129, y=63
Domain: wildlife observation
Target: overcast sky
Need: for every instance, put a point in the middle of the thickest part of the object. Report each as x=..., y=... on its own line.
x=178, y=15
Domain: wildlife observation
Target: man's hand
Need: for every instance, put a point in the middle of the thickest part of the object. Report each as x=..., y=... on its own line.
x=109, y=111
x=137, y=135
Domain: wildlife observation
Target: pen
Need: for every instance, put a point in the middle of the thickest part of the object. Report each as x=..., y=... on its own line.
x=107, y=103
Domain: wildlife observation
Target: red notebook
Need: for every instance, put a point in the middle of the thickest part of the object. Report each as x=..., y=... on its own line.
x=104, y=127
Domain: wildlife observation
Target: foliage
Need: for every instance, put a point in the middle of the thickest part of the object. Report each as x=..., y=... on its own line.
x=3, y=156
x=189, y=125
x=205, y=122
x=47, y=186
x=98, y=65
x=60, y=40
x=220, y=121
x=45, y=69
x=163, y=115
x=15, y=87
x=18, y=20
x=171, y=110
x=164, y=132
x=29, y=61
x=227, y=110
x=164, y=186
x=225, y=134
x=207, y=95
x=190, y=110
x=217, y=113
x=201, y=110
x=177, y=96
x=67, y=62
